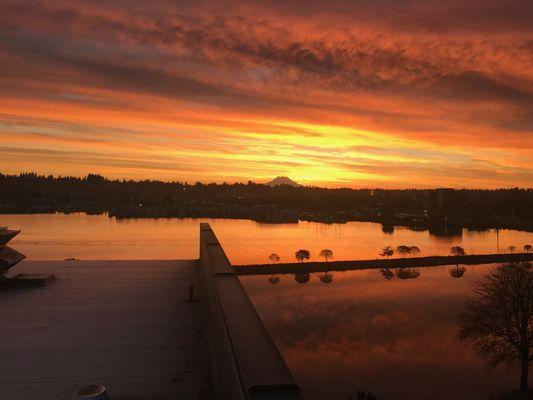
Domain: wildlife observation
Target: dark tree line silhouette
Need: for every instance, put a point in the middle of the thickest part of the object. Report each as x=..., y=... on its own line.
x=94, y=194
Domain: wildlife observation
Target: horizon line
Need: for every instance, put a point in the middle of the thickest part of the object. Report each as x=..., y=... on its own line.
x=191, y=183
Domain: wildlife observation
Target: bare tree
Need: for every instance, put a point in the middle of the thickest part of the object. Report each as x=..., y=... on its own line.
x=527, y=248
x=387, y=252
x=326, y=253
x=403, y=250
x=302, y=255
x=511, y=249
x=498, y=322
x=274, y=258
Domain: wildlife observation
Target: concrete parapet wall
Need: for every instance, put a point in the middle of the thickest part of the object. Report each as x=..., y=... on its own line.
x=245, y=361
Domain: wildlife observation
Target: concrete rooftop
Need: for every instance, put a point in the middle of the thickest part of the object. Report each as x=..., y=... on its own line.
x=124, y=324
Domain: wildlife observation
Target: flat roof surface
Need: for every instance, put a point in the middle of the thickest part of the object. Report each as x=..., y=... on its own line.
x=124, y=324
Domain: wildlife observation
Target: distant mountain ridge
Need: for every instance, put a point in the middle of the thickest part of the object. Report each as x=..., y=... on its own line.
x=282, y=180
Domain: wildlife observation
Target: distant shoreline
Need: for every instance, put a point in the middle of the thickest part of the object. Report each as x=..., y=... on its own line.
x=437, y=230
x=442, y=211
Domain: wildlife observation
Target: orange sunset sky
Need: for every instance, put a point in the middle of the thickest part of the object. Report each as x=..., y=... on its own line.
x=383, y=93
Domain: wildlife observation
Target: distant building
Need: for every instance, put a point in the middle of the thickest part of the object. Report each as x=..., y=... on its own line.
x=443, y=204
x=444, y=197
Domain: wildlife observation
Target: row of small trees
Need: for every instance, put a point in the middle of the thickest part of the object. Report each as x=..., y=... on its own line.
x=388, y=251
x=454, y=251
x=527, y=248
x=302, y=255
x=402, y=250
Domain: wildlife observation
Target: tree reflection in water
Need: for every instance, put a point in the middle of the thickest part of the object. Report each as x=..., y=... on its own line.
x=273, y=280
x=457, y=272
x=302, y=278
x=387, y=273
x=365, y=314
x=407, y=273
x=326, y=278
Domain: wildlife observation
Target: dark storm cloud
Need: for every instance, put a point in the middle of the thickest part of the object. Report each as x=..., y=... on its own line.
x=342, y=65
x=472, y=85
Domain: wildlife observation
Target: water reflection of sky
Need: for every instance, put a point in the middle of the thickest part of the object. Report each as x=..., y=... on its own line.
x=57, y=236
x=393, y=337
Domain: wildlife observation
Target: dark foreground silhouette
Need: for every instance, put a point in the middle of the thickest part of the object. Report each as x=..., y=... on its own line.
x=498, y=321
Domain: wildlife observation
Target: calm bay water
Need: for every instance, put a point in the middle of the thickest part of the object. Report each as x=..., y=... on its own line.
x=90, y=237
x=394, y=337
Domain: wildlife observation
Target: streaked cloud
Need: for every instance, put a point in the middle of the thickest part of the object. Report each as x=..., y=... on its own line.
x=353, y=93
